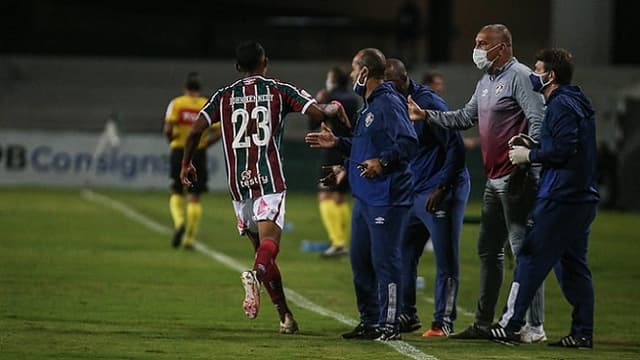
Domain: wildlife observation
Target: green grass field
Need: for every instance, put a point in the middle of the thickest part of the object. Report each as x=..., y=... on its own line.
x=81, y=280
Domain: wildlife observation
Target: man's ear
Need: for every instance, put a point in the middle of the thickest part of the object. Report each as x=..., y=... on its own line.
x=365, y=71
x=552, y=76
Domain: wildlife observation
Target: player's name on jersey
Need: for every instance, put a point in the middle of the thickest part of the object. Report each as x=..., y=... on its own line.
x=251, y=98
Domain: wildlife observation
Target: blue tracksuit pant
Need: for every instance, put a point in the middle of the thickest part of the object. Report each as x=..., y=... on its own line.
x=444, y=227
x=557, y=237
x=376, y=234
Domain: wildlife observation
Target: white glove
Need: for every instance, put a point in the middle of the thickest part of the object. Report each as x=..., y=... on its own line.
x=519, y=155
x=523, y=140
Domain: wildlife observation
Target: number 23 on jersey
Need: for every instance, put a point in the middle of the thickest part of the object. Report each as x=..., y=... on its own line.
x=241, y=139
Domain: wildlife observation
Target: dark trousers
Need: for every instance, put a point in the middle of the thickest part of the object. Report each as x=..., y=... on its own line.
x=376, y=234
x=444, y=227
x=557, y=236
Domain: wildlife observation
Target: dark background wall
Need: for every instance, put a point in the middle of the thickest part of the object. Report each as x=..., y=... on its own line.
x=312, y=30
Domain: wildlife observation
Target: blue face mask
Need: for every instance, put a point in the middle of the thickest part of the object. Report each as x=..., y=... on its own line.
x=359, y=87
x=537, y=81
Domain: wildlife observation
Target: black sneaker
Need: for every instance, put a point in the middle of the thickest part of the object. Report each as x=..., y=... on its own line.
x=388, y=333
x=409, y=323
x=177, y=236
x=362, y=332
x=570, y=341
x=473, y=332
x=499, y=334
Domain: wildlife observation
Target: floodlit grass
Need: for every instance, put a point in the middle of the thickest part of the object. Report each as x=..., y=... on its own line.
x=81, y=281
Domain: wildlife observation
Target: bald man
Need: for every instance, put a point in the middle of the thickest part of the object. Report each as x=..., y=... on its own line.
x=441, y=192
x=378, y=156
x=503, y=105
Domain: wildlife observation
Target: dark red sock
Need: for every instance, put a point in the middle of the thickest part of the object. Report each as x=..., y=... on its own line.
x=266, y=254
x=272, y=281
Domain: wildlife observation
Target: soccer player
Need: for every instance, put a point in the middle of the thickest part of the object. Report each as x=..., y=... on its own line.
x=332, y=197
x=182, y=112
x=441, y=193
x=379, y=152
x=559, y=225
x=251, y=112
x=503, y=105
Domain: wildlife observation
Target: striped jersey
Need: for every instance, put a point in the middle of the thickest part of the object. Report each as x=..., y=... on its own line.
x=251, y=112
x=182, y=113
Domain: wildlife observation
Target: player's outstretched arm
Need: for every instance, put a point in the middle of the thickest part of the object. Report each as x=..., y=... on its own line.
x=321, y=112
x=188, y=171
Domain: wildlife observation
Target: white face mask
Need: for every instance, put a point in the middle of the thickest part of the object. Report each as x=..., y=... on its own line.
x=329, y=85
x=481, y=60
x=360, y=86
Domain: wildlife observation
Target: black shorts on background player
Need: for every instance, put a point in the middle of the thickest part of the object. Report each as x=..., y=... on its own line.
x=199, y=161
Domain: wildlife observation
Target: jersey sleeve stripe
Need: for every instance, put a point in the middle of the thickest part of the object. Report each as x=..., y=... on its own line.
x=298, y=91
x=206, y=116
x=306, y=106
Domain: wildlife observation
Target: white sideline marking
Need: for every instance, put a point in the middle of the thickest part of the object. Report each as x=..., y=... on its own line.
x=399, y=346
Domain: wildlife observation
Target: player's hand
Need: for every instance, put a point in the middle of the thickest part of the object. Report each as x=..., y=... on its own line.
x=321, y=96
x=435, y=199
x=415, y=112
x=188, y=174
x=321, y=139
x=341, y=114
x=337, y=174
x=371, y=168
x=519, y=155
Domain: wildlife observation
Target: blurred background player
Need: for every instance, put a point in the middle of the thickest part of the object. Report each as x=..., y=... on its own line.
x=441, y=190
x=251, y=112
x=435, y=81
x=182, y=113
x=332, y=199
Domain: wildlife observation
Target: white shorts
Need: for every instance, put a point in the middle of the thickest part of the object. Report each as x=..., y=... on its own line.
x=267, y=207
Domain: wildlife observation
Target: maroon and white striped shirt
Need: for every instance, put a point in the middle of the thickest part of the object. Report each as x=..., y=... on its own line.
x=251, y=112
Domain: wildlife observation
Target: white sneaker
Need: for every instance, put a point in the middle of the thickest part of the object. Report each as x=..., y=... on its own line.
x=289, y=326
x=532, y=334
x=251, y=285
x=335, y=251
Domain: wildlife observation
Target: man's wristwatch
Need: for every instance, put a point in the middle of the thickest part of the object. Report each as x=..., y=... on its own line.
x=384, y=164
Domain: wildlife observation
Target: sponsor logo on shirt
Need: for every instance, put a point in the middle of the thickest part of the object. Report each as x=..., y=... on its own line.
x=247, y=179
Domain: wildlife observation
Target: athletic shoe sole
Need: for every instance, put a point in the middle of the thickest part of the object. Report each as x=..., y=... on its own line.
x=251, y=303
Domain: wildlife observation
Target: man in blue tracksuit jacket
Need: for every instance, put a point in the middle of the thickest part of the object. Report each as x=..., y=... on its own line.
x=379, y=153
x=565, y=207
x=441, y=192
